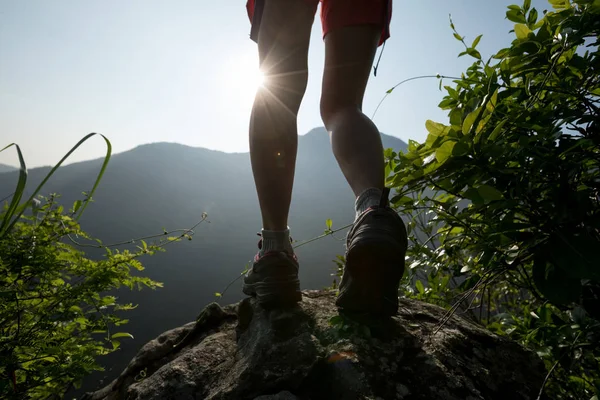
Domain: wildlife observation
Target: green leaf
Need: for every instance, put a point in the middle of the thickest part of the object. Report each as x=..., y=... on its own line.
x=461, y=148
x=532, y=18
x=515, y=16
x=420, y=287
x=77, y=205
x=526, y=5
x=482, y=123
x=57, y=282
x=120, y=335
x=444, y=151
x=489, y=193
x=328, y=224
x=522, y=31
x=17, y=213
x=560, y=4
x=217, y=294
x=16, y=197
x=447, y=103
x=474, y=53
x=403, y=200
x=476, y=41
x=458, y=37
x=435, y=128
x=456, y=116
x=473, y=195
x=497, y=130
x=76, y=309
x=469, y=120
x=452, y=92
x=491, y=105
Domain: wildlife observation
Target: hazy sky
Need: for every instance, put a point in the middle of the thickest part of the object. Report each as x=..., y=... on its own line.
x=142, y=71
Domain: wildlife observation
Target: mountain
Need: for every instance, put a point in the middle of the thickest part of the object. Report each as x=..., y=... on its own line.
x=168, y=185
x=7, y=168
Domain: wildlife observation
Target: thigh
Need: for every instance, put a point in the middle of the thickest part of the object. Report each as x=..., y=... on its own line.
x=281, y=25
x=349, y=54
x=283, y=34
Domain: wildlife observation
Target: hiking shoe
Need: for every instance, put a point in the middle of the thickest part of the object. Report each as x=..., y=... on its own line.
x=273, y=279
x=375, y=250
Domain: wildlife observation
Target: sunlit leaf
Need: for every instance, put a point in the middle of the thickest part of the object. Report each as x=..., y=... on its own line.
x=444, y=151
x=121, y=334
x=469, y=120
x=419, y=286
x=522, y=31
x=435, y=128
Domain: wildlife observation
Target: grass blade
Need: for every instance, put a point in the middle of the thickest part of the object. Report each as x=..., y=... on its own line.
x=36, y=191
x=18, y=191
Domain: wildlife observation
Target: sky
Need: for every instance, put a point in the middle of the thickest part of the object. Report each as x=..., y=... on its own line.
x=144, y=71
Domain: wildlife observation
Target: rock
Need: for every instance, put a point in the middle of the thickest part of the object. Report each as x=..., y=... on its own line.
x=308, y=352
x=279, y=396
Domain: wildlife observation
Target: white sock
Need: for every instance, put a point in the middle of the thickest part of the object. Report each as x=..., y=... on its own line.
x=369, y=198
x=276, y=241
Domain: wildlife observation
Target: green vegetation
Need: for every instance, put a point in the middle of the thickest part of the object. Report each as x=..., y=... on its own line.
x=56, y=317
x=504, y=198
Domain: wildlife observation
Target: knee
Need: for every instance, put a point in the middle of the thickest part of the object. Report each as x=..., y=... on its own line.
x=284, y=83
x=333, y=109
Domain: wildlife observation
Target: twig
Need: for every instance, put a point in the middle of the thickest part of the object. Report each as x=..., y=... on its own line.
x=408, y=80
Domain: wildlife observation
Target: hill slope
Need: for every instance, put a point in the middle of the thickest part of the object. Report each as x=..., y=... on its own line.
x=6, y=168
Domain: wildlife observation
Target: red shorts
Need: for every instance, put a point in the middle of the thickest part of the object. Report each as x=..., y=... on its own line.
x=336, y=14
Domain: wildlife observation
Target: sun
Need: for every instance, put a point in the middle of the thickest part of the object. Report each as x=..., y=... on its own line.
x=259, y=78
x=240, y=79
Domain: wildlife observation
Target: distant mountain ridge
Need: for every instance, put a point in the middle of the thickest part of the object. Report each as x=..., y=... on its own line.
x=7, y=168
x=169, y=185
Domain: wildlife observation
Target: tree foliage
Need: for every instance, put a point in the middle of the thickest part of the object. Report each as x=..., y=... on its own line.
x=504, y=196
x=55, y=315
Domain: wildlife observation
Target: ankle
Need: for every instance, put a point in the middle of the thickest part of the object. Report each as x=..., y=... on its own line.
x=368, y=198
x=276, y=241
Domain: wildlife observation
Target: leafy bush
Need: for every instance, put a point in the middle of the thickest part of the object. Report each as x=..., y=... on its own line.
x=56, y=317
x=504, y=198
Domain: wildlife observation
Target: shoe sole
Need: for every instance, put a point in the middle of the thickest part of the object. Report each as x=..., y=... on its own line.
x=375, y=269
x=275, y=293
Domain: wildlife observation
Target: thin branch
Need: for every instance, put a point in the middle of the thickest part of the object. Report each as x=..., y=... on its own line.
x=438, y=76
